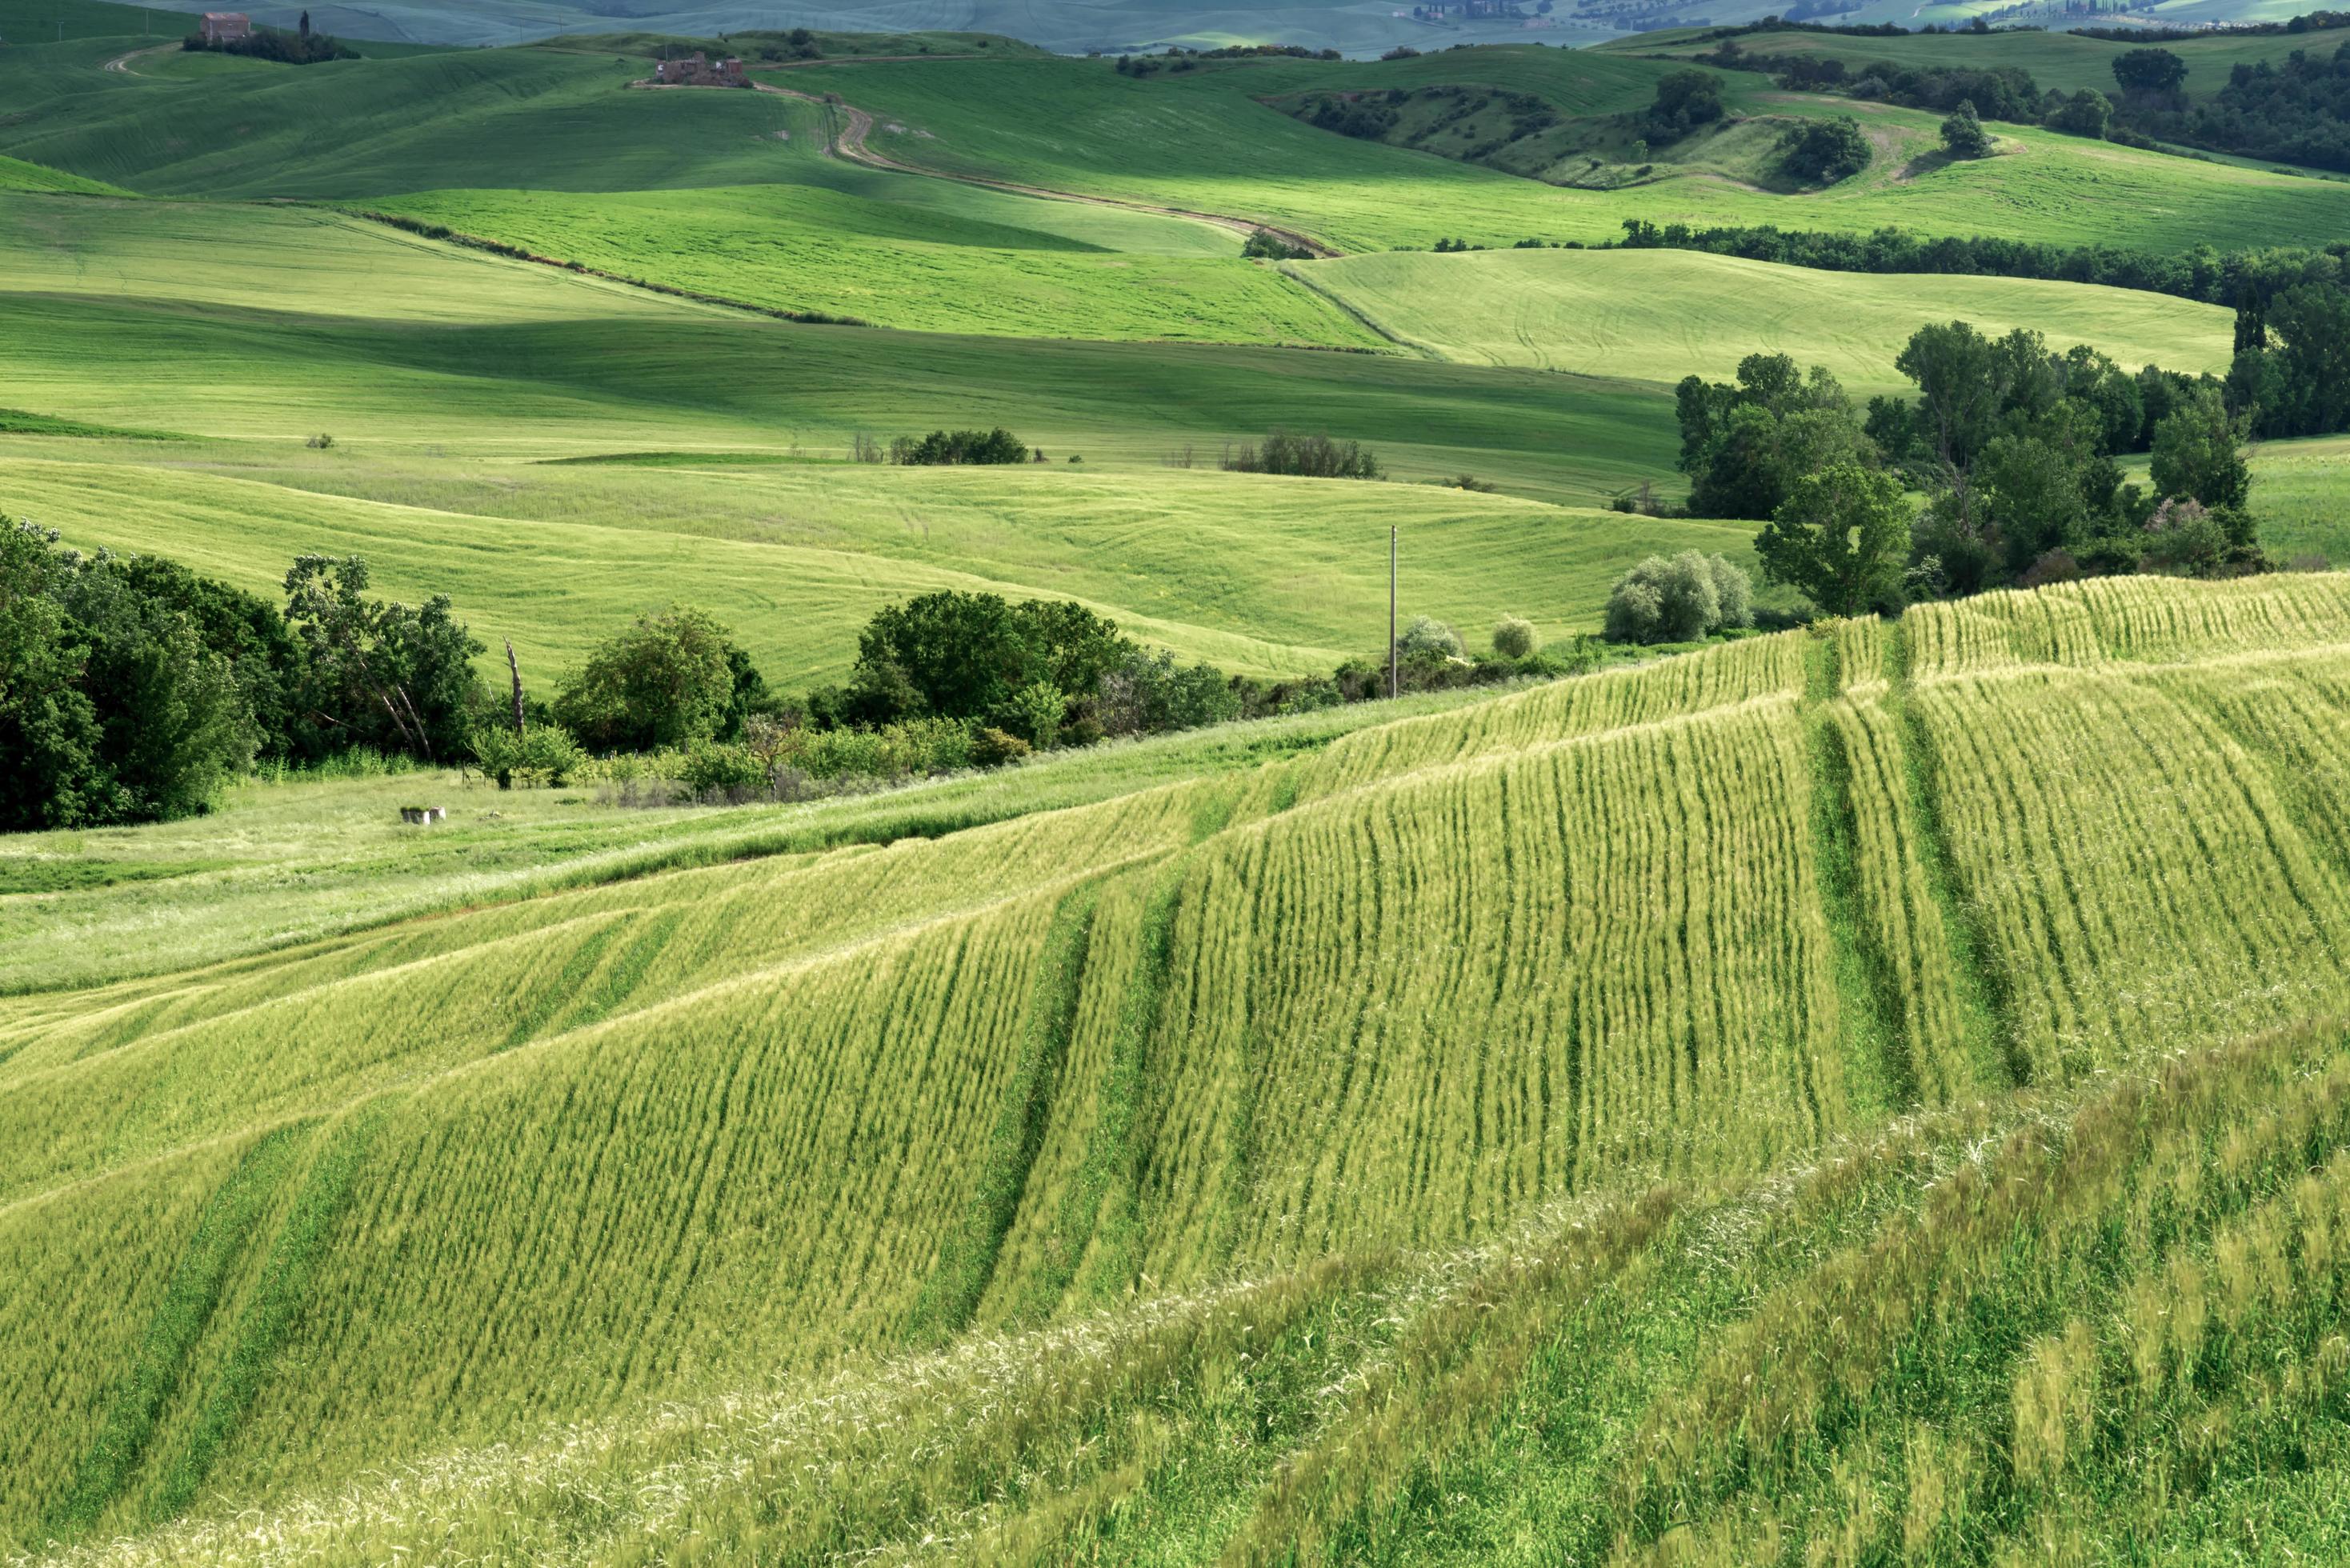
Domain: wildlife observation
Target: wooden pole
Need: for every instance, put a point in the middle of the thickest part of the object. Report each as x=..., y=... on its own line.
x=1394, y=686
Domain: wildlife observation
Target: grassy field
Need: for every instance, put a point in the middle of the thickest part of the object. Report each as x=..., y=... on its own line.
x=2064, y=61
x=1681, y=313
x=1266, y=574
x=1219, y=1243
x=1079, y=126
x=807, y=249
x=373, y=129
x=264, y=323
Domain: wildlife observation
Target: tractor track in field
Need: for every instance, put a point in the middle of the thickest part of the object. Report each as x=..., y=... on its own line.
x=849, y=142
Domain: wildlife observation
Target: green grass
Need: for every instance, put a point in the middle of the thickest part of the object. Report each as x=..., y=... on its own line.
x=2065, y=62
x=1079, y=126
x=15, y=174
x=1682, y=313
x=812, y=250
x=615, y=1220
x=1264, y=575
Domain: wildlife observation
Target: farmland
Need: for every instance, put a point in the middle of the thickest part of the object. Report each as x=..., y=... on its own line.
x=1113, y=1074
x=1846, y=1091
x=1683, y=313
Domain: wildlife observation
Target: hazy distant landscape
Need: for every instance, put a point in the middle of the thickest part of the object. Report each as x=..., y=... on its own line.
x=1051, y=783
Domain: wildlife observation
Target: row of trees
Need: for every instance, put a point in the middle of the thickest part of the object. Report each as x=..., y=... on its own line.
x=1307, y=456
x=130, y=687
x=2198, y=273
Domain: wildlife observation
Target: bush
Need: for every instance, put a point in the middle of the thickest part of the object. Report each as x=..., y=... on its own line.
x=545, y=754
x=1311, y=457
x=1515, y=637
x=993, y=748
x=1678, y=600
x=1428, y=637
x=1822, y=152
x=1266, y=245
x=1963, y=135
x=1034, y=713
x=940, y=449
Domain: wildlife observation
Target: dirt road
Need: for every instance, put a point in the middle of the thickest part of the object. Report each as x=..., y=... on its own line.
x=121, y=63
x=851, y=142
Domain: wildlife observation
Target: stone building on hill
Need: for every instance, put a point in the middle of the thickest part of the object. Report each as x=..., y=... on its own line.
x=695, y=70
x=225, y=27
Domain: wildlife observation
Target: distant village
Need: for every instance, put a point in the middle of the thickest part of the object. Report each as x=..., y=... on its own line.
x=1468, y=11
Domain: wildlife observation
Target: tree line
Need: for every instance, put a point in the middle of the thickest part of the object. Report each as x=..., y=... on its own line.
x=2199, y=273
x=133, y=689
x=2015, y=447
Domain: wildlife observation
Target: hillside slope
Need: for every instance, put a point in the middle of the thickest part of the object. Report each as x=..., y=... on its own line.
x=1340, y=1085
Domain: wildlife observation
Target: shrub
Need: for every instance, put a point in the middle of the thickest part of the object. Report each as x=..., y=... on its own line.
x=1145, y=693
x=1678, y=600
x=320, y=442
x=1264, y=244
x=941, y=449
x=545, y=754
x=1515, y=637
x=1310, y=457
x=1734, y=589
x=1963, y=135
x=1426, y=637
x=992, y=747
x=1034, y=713
x=714, y=767
x=2182, y=538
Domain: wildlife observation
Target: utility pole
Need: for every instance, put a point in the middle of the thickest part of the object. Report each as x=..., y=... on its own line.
x=1394, y=688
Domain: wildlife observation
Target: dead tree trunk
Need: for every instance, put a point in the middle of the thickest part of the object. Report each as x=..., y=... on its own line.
x=516, y=669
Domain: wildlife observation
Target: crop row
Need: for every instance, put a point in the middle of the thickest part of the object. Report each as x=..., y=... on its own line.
x=2105, y=620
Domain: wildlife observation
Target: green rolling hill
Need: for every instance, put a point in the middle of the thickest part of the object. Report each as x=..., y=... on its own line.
x=1687, y=313
x=617, y=1179
x=1876, y=1092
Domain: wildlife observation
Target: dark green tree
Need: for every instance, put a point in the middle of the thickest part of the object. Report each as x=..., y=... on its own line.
x=1962, y=133
x=669, y=679
x=2198, y=455
x=1842, y=538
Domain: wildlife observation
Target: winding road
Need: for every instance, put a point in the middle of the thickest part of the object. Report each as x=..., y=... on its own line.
x=850, y=142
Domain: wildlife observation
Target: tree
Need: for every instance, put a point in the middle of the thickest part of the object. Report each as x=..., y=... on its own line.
x=2087, y=112
x=380, y=673
x=1682, y=599
x=667, y=680
x=1743, y=445
x=962, y=655
x=1515, y=637
x=2152, y=77
x=1074, y=646
x=1685, y=100
x=112, y=708
x=1428, y=638
x=2196, y=455
x=1842, y=538
x=1822, y=152
x=1963, y=135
